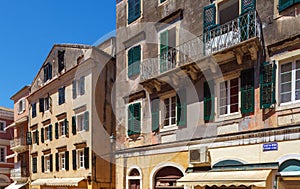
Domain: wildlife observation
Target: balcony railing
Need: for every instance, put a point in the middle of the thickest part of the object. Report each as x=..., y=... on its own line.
x=232, y=33
x=19, y=171
x=18, y=143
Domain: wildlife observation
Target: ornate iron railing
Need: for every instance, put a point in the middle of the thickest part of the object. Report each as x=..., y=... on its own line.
x=231, y=33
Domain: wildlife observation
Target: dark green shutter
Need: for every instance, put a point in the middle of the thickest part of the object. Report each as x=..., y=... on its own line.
x=34, y=165
x=45, y=73
x=136, y=60
x=50, y=132
x=130, y=120
x=74, y=159
x=155, y=114
x=56, y=130
x=74, y=130
x=50, y=70
x=134, y=10
x=82, y=85
x=67, y=160
x=33, y=110
x=67, y=128
x=209, y=17
x=74, y=89
x=41, y=103
x=86, y=157
x=42, y=135
x=267, y=84
x=57, y=162
x=248, y=5
x=37, y=137
x=284, y=4
x=51, y=162
x=42, y=164
x=247, y=91
x=137, y=118
x=59, y=96
x=296, y=1
x=130, y=62
x=28, y=138
x=181, y=107
x=86, y=121
x=164, y=47
x=209, y=102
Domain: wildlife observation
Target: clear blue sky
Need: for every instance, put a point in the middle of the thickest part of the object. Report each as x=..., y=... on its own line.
x=30, y=28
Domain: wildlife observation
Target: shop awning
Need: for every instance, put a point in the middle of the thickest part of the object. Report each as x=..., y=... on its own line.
x=227, y=178
x=57, y=182
x=15, y=185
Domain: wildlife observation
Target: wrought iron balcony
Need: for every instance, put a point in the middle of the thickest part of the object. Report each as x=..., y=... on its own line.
x=224, y=36
x=18, y=145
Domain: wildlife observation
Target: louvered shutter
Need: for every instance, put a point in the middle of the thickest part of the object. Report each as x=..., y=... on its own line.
x=130, y=62
x=181, y=107
x=50, y=132
x=208, y=101
x=209, y=17
x=74, y=159
x=136, y=60
x=248, y=5
x=51, y=162
x=284, y=4
x=164, y=47
x=67, y=127
x=137, y=118
x=67, y=160
x=86, y=157
x=267, y=84
x=41, y=103
x=57, y=162
x=155, y=114
x=247, y=91
x=74, y=129
x=86, y=121
x=42, y=135
x=56, y=130
x=42, y=164
x=74, y=89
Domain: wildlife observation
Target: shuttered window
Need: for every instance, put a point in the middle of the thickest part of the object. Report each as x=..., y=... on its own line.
x=155, y=114
x=168, y=53
x=284, y=4
x=134, y=60
x=61, y=95
x=267, y=84
x=33, y=110
x=34, y=164
x=181, y=108
x=209, y=17
x=208, y=101
x=248, y=5
x=28, y=138
x=134, y=119
x=247, y=91
x=133, y=10
x=41, y=103
x=47, y=72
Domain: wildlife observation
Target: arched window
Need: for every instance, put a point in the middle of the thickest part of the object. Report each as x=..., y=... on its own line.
x=290, y=165
x=134, y=179
x=167, y=177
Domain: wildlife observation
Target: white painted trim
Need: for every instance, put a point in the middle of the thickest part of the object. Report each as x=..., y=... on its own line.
x=234, y=159
x=159, y=167
x=288, y=157
x=134, y=177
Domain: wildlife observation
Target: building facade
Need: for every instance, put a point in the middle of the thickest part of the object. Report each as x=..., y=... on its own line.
x=20, y=172
x=70, y=119
x=207, y=94
x=6, y=135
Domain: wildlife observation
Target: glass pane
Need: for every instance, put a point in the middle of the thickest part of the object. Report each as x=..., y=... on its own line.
x=286, y=77
x=286, y=97
x=234, y=108
x=297, y=84
x=287, y=87
x=286, y=67
x=297, y=95
x=223, y=102
x=223, y=110
x=297, y=64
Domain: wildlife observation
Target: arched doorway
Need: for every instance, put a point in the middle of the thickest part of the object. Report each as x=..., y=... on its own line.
x=166, y=177
x=289, y=174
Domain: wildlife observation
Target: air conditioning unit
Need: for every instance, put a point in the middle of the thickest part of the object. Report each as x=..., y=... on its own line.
x=197, y=156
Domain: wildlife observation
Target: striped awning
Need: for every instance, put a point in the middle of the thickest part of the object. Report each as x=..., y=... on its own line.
x=57, y=182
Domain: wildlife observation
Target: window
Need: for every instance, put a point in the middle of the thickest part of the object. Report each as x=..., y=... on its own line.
x=167, y=44
x=46, y=133
x=80, y=159
x=78, y=87
x=28, y=138
x=62, y=128
x=170, y=111
x=34, y=164
x=2, y=126
x=290, y=81
x=229, y=97
x=133, y=10
x=162, y=1
x=21, y=106
x=47, y=72
x=82, y=122
x=134, y=119
x=134, y=60
x=267, y=84
x=61, y=95
x=45, y=103
x=62, y=161
x=61, y=60
x=208, y=100
x=134, y=179
x=228, y=11
x=284, y=4
x=35, y=136
x=33, y=110
x=2, y=154
x=47, y=165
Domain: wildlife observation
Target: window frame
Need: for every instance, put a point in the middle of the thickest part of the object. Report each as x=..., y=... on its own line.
x=4, y=148
x=82, y=123
x=161, y=3
x=141, y=114
x=21, y=102
x=62, y=128
x=77, y=88
x=127, y=13
x=62, y=161
x=47, y=132
x=47, y=163
x=127, y=58
x=79, y=156
x=162, y=112
x=129, y=178
x=4, y=126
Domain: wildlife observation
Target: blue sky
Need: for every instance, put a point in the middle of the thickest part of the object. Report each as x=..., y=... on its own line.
x=30, y=28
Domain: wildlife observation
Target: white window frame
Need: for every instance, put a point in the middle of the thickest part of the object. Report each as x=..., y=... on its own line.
x=80, y=162
x=128, y=178
x=126, y=113
x=62, y=128
x=34, y=136
x=78, y=83
x=46, y=133
x=162, y=112
x=80, y=125
x=126, y=51
x=4, y=126
x=159, y=3
x=47, y=163
x=5, y=154
x=21, y=106
x=138, y=19
x=62, y=161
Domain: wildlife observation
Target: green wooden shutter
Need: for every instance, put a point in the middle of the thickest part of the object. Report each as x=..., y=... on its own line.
x=296, y=1
x=82, y=85
x=136, y=60
x=74, y=130
x=181, y=107
x=56, y=130
x=41, y=104
x=134, y=10
x=51, y=162
x=209, y=17
x=50, y=132
x=209, y=102
x=67, y=127
x=74, y=159
x=267, y=84
x=248, y=5
x=42, y=164
x=284, y=4
x=130, y=62
x=137, y=118
x=28, y=138
x=37, y=137
x=247, y=91
x=42, y=135
x=57, y=162
x=50, y=70
x=86, y=157
x=67, y=160
x=155, y=114
x=74, y=89
x=130, y=120
x=45, y=73
x=86, y=121
x=34, y=165
x=164, y=46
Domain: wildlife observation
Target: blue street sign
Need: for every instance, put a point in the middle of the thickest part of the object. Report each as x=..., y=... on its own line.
x=272, y=146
